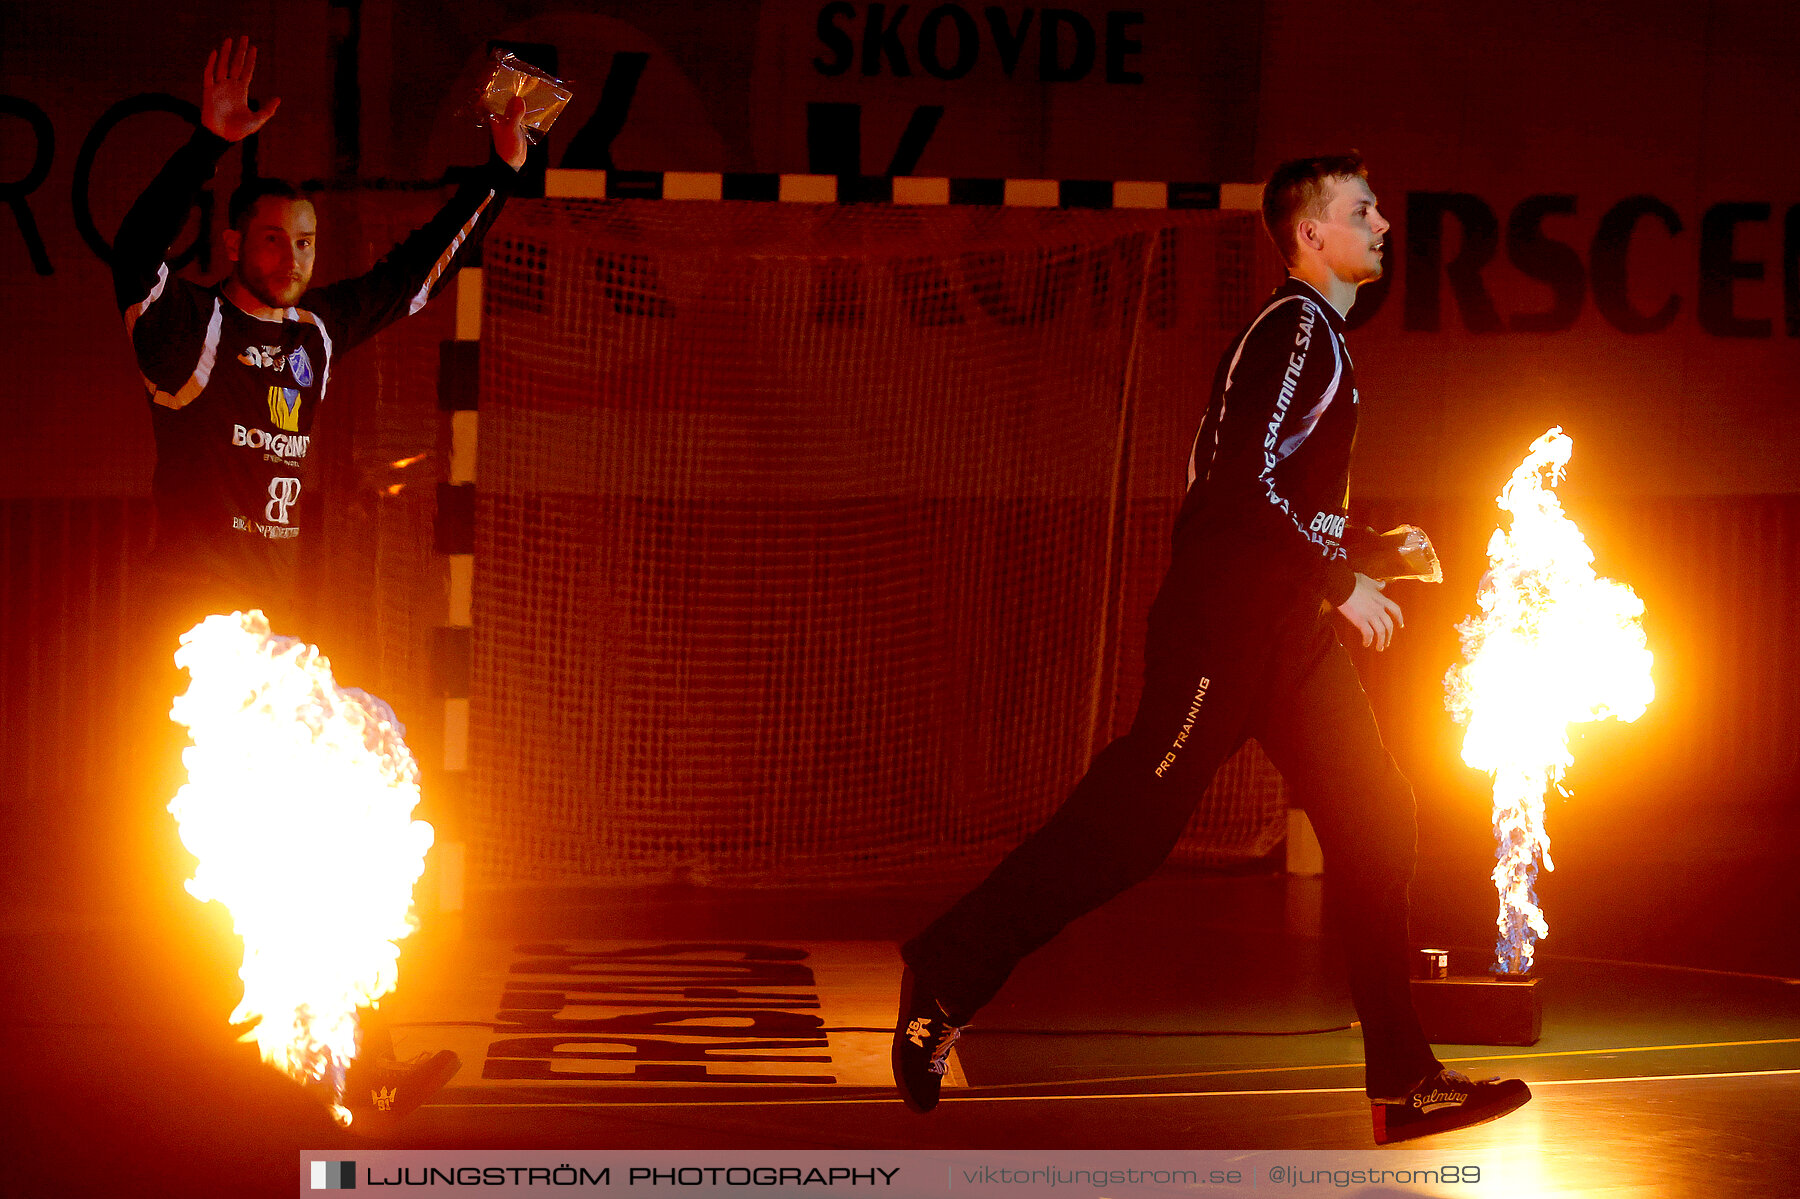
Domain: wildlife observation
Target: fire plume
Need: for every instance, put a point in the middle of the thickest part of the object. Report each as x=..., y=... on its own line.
x=1552, y=645
x=298, y=805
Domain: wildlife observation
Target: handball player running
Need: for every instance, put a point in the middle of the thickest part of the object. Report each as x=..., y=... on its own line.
x=1241, y=644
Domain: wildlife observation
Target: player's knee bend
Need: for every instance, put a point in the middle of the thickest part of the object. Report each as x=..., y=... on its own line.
x=1381, y=802
x=1127, y=848
x=1374, y=840
x=1122, y=819
x=1124, y=865
x=1393, y=807
x=1392, y=834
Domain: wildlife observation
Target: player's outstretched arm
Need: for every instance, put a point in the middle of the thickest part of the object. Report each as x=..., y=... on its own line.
x=225, y=92
x=419, y=267
x=156, y=218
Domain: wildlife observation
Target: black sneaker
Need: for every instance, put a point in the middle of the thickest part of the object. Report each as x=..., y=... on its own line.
x=1445, y=1101
x=381, y=1093
x=922, y=1040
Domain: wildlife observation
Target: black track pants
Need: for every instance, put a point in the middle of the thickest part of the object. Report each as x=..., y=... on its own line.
x=1256, y=663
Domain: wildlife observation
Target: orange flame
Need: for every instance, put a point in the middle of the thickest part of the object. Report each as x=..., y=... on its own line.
x=298, y=806
x=1553, y=645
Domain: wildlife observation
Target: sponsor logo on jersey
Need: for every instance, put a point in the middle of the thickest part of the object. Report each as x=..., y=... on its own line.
x=284, y=408
x=271, y=358
x=1290, y=380
x=284, y=493
x=282, y=445
x=301, y=365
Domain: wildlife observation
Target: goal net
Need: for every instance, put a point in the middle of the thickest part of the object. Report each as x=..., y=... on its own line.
x=814, y=543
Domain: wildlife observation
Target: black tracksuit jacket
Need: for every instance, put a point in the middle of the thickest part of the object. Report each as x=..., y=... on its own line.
x=1270, y=467
x=233, y=397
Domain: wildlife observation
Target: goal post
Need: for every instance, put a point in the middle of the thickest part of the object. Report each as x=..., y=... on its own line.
x=814, y=542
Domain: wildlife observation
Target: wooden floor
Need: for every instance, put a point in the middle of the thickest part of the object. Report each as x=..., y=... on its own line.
x=1649, y=1080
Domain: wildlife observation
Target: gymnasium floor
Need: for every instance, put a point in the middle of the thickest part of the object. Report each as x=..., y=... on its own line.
x=1649, y=1080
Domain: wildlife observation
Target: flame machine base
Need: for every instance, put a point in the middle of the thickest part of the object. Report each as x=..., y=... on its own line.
x=1479, y=1010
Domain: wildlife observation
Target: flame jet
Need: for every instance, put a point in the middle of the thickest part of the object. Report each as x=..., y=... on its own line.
x=1552, y=645
x=298, y=805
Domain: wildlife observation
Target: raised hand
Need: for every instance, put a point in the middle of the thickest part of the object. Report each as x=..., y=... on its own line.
x=509, y=133
x=225, y=92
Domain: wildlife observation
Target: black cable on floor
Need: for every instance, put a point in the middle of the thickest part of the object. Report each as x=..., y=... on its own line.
x=969, y=1031
x=972, y=1030
x=977, y=1030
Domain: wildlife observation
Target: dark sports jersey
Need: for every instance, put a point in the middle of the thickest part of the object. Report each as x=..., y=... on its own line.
x=232, y=396
x=1270, y=465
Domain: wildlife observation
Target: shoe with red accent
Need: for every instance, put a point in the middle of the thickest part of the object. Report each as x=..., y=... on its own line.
x=1446, y=1100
